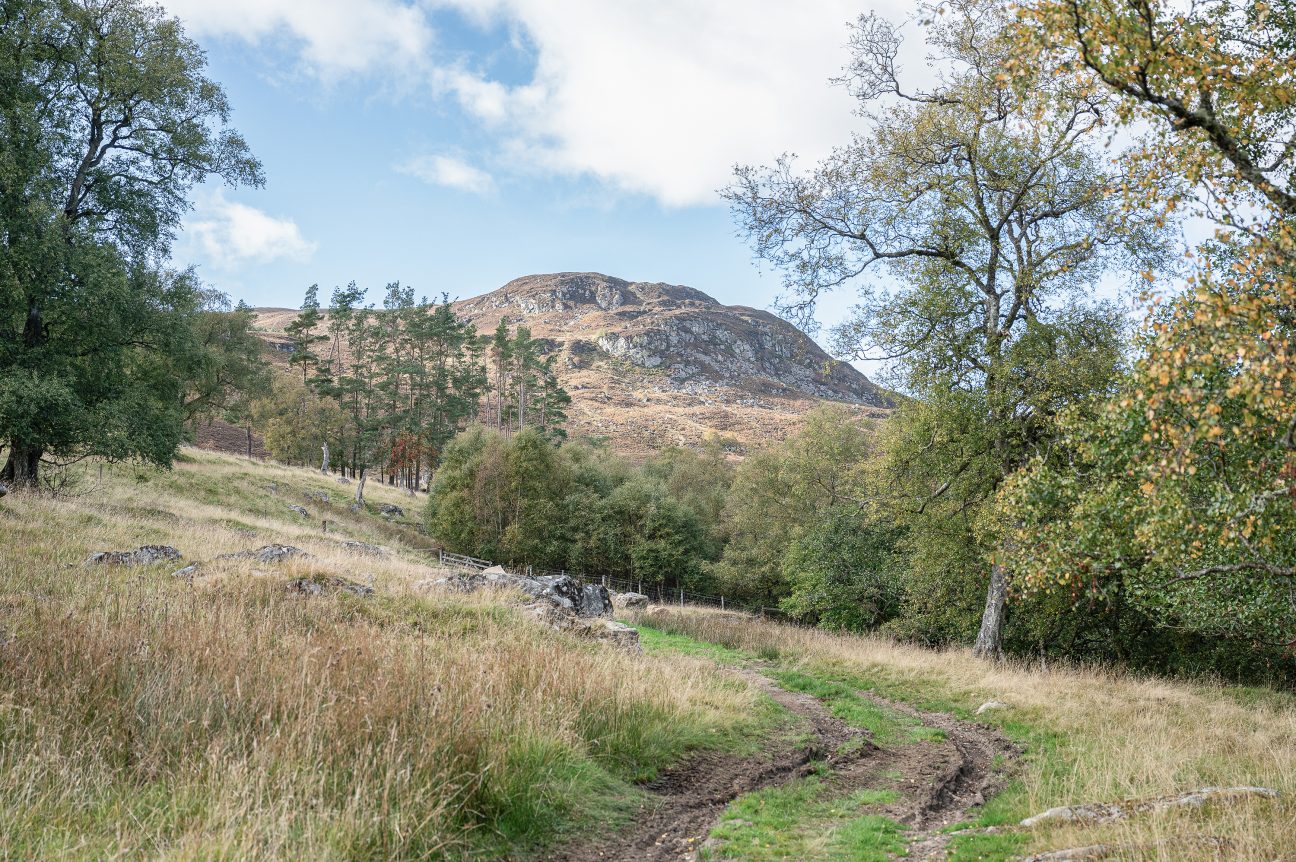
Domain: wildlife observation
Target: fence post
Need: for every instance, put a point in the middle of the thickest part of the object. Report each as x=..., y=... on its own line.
x=722, y=603
x=681, y=598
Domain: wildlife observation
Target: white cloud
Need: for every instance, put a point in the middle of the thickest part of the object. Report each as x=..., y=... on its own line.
x=443, y=170
x=659, y=97
x=336, y=37
x=227, y=234
x=663, y=97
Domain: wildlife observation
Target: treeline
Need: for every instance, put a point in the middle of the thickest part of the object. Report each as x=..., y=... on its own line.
x=386, y=389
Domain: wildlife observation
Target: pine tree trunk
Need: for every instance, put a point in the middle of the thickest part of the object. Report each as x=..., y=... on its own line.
x=364, y=475
x=989, y=641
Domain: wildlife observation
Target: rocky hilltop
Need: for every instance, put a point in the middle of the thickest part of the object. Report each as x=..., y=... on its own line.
x=654, y=365
x=692, y=341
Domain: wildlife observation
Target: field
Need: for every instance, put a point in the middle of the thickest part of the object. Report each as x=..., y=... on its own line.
x=147, y=716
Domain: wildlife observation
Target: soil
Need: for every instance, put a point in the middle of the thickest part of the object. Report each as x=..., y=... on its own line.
x=937, y=782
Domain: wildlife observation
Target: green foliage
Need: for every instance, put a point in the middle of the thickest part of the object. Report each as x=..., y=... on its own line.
x=520, y=499
x=106, y=123
x=782, y=494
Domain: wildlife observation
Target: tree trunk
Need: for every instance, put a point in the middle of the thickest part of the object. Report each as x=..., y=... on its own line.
x=249, y=441
x=324, y=461
x=364, y=474
x=989, y=641
x=22, y=470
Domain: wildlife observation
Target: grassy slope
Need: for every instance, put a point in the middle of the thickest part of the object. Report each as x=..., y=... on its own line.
x=143, y=716
x=1091, y=735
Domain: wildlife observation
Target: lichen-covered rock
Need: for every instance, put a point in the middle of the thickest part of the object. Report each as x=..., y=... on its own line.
x=267, y=554
x=595, y=601
x=300, y=510
x=391, y=510
x=630, y=601
x=324, y=585
x=609, y=631
x=1105, y=812
x=145, y=555
x=365, y=548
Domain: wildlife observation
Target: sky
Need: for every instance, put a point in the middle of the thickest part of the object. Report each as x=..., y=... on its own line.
x=456, y=144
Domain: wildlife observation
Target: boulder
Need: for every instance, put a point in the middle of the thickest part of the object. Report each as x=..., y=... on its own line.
x=630, y=601
x=4, y=489
x=316, y=496
x=188, y=572
x=1106, y=812
x=991, y=705
x=365, y=548
x=595, y=601
x=390, y=510
x=300, y=510
x=324, y=585
x=609, y=631
x=144, y=555
x=267, y=554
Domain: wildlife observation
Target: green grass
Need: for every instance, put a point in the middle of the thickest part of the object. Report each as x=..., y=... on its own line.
x=889, y=727
x=803, y=820
x=660, y=642
x=986, y=848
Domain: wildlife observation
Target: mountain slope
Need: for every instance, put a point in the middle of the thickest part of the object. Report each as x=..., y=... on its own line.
x=652, y=365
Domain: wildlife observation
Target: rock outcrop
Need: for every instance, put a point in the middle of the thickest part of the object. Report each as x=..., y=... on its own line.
x=325, y=585
x=145, y=555
x=557, y=601
x=266, y=554
x=629, y=601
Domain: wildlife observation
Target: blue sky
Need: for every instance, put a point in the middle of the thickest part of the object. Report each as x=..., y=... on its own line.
x=456, y=144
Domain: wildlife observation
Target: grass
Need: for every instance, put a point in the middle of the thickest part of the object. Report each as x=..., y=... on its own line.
x=1092, y=734
x=145, y=716
x=889, y=727
x=805, y=820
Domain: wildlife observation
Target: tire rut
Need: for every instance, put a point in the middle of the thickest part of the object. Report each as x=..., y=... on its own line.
x=937, y=782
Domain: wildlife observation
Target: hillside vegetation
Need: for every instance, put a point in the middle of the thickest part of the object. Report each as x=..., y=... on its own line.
x=153, y=716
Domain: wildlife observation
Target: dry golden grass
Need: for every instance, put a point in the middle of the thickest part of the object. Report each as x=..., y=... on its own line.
x=143, y=716
x=1094, y=734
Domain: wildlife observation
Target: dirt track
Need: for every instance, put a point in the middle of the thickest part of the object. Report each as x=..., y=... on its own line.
x=937, y=781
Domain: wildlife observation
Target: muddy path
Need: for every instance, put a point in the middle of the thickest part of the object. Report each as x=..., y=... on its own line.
x=936, y=782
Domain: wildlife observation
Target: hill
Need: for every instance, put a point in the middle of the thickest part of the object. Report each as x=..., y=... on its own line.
x=651, y=365
x=332, y=705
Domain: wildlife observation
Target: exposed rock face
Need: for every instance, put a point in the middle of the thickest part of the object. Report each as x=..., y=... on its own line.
x=680, y=331
x=145, y=555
